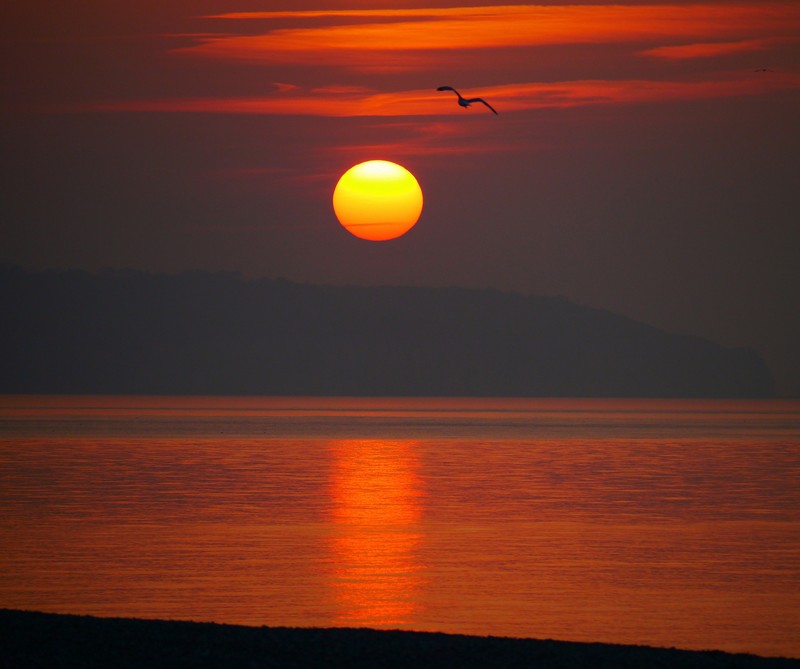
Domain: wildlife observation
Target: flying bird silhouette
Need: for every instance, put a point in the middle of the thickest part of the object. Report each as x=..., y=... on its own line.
x=465, y=102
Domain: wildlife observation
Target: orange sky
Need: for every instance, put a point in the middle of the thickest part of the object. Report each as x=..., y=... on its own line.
x=643, y=160
x=511, y=97
x=495, y=26
x=423, y=40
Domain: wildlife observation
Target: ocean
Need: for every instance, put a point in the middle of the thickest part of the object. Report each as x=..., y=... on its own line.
x=654, y=522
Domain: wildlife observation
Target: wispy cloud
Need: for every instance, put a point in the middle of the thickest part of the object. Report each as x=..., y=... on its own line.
x=349, y=102
x=300, y=43
x=711, y=49
x=419, y=138
x=392, y=41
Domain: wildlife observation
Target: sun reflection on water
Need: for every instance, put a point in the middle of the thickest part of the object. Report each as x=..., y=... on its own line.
x=376, y=503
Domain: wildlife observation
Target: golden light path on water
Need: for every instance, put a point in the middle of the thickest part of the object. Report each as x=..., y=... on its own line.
x=376, y=510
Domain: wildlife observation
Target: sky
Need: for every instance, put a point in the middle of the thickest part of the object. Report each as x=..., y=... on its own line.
x=644, y=160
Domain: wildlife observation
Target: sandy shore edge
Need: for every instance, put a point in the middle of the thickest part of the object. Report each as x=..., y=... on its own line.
x=33, y=639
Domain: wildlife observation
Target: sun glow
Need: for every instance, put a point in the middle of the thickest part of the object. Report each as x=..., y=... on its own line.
x=377, y=200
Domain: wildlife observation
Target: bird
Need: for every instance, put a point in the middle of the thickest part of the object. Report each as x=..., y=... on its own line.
x=466, y=102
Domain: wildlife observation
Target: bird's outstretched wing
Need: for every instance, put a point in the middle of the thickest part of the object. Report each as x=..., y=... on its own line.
x=484, y=102
x=464, y=102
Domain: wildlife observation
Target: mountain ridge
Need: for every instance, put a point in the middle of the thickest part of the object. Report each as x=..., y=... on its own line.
x=126, y=331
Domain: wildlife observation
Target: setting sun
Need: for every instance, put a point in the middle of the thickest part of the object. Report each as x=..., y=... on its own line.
x=377, y=200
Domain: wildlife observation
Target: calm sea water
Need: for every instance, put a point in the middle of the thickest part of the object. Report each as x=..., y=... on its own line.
x=669, y=523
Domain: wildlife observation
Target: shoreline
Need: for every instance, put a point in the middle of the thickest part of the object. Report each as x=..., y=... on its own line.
x=34, y=639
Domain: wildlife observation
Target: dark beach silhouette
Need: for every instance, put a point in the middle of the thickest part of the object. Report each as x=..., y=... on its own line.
x=30, y=639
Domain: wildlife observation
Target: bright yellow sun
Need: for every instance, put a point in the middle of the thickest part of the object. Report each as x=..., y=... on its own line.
x=377, y=200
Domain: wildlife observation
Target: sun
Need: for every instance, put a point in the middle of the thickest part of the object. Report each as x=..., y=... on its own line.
x=377, y=200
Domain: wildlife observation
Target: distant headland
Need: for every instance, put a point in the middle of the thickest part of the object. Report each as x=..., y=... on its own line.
x=218, y=333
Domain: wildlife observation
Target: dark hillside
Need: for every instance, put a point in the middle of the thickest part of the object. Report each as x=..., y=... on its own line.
x=201, y=333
